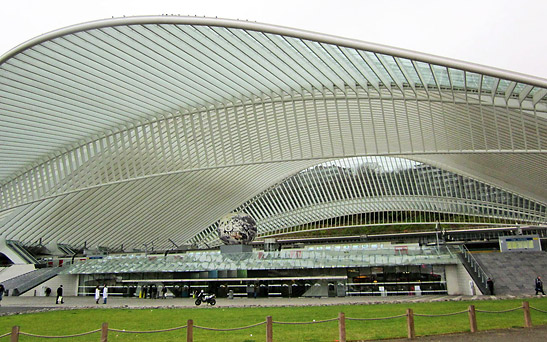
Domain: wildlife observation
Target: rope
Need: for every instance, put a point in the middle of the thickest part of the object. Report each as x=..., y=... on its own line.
x=148, y=331
x=6, y=334
x=441, y=315
x=531, y=307
x=295, y=323
x=375, y=319
x=230, y=329
x=502, y=311
x=65, y=336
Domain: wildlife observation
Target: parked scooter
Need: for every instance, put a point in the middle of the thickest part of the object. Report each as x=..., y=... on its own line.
x=204, y=297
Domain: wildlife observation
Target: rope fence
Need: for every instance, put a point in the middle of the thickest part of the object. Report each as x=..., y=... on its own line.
x=312, y=322
x=502, y=311
x=63, y=336
x=230, y=329
x=539, y=310
x=269, y=322
x=443, y=315
x=375, y=319
x=147, y=331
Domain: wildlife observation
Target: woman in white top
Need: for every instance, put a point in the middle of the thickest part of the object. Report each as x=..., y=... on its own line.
x=105, y=293
x=97, y=294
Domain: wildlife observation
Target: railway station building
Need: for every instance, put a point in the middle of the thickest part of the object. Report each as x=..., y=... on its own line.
x=367, y=169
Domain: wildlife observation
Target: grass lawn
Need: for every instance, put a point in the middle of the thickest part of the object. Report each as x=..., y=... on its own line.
x=78, y=321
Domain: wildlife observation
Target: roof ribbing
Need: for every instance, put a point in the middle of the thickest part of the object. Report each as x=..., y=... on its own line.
x=155, y=102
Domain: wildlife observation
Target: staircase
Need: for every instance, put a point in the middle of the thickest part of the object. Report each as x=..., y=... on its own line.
x=27, y=281
x=21, y=251
x=513, y=272
x=473, y=267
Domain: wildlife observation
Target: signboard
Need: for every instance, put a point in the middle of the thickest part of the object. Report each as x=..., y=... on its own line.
x=521, y=243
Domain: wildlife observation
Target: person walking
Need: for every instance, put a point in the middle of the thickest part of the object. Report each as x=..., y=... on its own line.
x=97, y=294
x=59, y=295
x=105, y=293
x=2, y=289
x=490, y=284
x=539, y=285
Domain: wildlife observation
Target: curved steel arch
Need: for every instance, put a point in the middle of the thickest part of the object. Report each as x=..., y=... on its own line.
x=222, y=109
x=368, y=191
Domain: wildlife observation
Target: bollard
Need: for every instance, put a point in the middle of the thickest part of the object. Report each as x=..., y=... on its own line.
x=269, y=329
x=527, y=317
x=104, y=332
x=410, y=324
x=15, y=333
x=190, y=331
x=472, y=318
x=342, y=326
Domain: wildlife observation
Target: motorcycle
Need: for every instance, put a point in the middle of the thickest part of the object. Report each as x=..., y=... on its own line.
x=203, y=297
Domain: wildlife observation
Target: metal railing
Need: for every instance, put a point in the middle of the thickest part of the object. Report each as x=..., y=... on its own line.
x=474, y=264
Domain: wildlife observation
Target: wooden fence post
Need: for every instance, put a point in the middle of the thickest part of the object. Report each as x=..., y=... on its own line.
x=342, y=327
x=190, y=331
x=269, y=329
x=15, y=333
x=472, y=318
x=527, y=317
x=104, y=332
x=410, y=324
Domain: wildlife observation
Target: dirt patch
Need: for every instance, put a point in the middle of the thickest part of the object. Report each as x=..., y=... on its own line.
x=535, y=334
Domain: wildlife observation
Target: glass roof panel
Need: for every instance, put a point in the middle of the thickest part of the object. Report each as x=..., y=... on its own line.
x=473, y=80
x=409, y=70
x=364, y=68
x=392, y=65
x=425, y=72
x=457, y=78
x=488, y=82
x=377, y=65
x=441, y=74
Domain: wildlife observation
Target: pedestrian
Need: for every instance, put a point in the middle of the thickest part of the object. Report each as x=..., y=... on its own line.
x=490, y=284
x=105, y=293
x=539, y=285
x=59, y=295
x=144, y=291
x=163, y=291
x=2, y=289
x=97, y=294
x=48, y=291
x=472, y=287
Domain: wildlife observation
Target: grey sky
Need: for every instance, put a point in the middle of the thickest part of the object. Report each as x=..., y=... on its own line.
x=506, y=34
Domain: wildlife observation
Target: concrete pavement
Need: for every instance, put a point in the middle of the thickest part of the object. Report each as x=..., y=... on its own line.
x=28, y=303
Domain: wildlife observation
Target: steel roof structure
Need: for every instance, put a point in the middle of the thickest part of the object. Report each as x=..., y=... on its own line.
x=142, y=129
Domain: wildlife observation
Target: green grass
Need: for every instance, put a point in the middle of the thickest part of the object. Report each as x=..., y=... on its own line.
x=77, y=321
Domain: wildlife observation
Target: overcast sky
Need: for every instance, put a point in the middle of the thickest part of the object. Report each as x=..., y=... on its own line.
x=510, y=35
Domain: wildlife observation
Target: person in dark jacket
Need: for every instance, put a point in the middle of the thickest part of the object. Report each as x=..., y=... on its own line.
x=539, y=285
x=490, y=284
x=2, y=289
x=59, y=295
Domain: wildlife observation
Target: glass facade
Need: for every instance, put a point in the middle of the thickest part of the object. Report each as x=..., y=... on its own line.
x=316, y=271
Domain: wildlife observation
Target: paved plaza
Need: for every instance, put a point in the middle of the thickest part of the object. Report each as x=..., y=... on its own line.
x=116, y=302
x=29, y=303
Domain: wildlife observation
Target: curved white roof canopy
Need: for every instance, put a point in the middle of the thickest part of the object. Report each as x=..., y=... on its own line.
x=137, y=129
